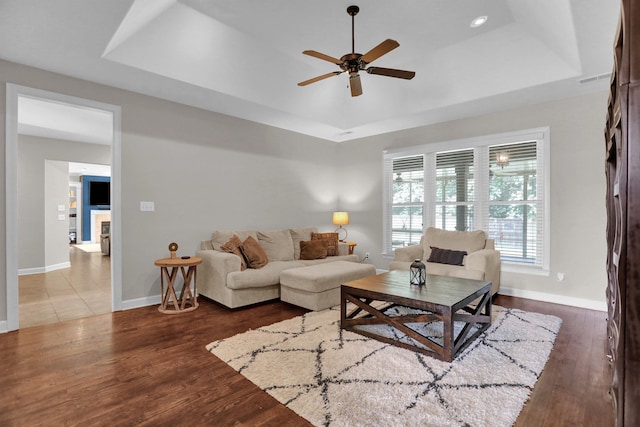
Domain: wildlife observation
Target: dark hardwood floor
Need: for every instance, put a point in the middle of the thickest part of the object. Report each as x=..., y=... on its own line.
x=140, y=367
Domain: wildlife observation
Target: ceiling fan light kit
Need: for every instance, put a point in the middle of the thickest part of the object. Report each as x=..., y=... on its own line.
x=355, y=62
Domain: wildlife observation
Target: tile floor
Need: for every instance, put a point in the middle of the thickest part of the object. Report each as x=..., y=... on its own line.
x=71, y=293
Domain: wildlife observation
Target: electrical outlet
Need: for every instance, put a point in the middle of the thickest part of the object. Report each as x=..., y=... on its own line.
x=366, y=255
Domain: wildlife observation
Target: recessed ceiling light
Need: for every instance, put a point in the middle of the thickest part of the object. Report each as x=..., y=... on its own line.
x=480, y=20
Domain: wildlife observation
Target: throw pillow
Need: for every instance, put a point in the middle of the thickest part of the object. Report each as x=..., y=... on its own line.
x=332, y=238
x=233, y=246
x=314, y=249
x=299, y=234
x=220, y=237
x=253, y=253
x=446, y=256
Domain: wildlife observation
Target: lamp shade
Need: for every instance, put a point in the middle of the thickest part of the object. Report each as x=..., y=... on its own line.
x=341, y=218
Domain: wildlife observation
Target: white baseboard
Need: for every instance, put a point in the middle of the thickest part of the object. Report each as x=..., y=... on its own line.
x=141, y=302
x=3, y=327
x=554, y=298
x=45, y=269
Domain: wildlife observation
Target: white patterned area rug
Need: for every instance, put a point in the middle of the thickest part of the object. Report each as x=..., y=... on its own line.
x=333, y=377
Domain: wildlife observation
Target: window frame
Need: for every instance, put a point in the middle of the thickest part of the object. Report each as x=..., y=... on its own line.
x=481, y=146
x=410, y=205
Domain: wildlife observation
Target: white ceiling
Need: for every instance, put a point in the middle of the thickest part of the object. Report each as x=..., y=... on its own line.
x=79, y=169
x=243, y=58
x=50, y=119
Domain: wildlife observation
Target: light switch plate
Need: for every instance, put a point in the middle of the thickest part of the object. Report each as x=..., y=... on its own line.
x=61, y=217
x=147, y=206
x=61, y=208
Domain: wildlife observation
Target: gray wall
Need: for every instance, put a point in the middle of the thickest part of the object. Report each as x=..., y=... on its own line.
x=56, y=230
x=578, y=217
x=204, y=171
x=208, y=171
x=33, y=152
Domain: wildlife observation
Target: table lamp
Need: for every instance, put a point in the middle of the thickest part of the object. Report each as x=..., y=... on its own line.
x=340, y=219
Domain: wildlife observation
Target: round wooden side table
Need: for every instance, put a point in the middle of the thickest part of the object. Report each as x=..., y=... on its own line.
x=169, y=268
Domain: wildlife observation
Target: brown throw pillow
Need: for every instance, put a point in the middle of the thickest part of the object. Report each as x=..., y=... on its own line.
x=314, y=249
x=253, y=253
x=233, y=247
x=446, y=256
x=332, y=238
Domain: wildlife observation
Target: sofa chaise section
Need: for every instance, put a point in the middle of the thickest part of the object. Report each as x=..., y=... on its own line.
x=221, y=278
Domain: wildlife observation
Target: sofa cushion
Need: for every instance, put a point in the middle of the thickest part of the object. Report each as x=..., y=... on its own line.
x=469, y=241
x=277, y=244
x=323, y=277
x=332, y=238
x=268, y=275
x=446, y=256
x=253, y=253
x=232, y=246
x=220, y=237
x=313, y=249
x=298, y=235
x=350, y=258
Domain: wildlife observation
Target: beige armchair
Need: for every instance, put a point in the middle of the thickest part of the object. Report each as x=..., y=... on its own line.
x=482, y=261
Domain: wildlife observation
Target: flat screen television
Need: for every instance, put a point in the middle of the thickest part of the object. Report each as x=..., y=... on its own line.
x=99, y=193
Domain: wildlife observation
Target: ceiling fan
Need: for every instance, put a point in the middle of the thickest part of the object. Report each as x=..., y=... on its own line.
x=354, y=62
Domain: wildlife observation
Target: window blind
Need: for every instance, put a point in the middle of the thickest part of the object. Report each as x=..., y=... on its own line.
x=515, y=219
x=455, y=190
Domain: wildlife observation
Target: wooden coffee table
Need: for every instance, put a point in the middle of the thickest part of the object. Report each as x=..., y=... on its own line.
x=446, y=299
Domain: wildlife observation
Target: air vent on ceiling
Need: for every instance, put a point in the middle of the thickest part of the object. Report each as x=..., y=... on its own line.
x=605, y=76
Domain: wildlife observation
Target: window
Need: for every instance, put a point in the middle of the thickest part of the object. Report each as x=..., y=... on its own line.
x=454, y=190
x=494, y=183
x=407, y=201
x=513, y=202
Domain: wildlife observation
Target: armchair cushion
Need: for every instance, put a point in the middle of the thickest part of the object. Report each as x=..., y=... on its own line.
x=469, y=241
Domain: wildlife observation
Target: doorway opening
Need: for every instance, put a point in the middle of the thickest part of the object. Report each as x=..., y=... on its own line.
x=15, y=126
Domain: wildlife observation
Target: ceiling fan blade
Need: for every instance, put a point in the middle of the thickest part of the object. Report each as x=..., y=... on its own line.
x=382, y=49
x=322, y=56
x=322, y=77
x=391, y=72
x=355, y=84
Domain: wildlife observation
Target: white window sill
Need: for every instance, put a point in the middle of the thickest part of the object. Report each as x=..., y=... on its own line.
x=523, y=269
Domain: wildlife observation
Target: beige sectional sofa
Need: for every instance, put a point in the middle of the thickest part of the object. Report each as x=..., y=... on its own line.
x=221, y=279
x=482, y=261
